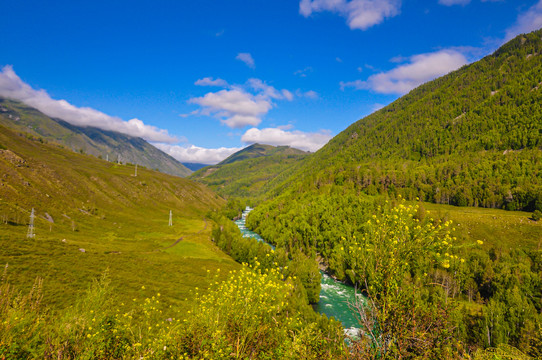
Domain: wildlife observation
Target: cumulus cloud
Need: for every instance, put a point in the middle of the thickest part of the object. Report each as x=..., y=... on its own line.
x=247, y=59
x=526, y=22
x=281, y=136
x=267, y=91
x=238, y=106
x=359, y=14
x=453, y=2
x=420, y=69
x=311, y=94
x=11, y=86
x=209, y=81
x=196, y=154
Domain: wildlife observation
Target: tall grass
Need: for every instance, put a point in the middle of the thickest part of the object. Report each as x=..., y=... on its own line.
x=248, y=316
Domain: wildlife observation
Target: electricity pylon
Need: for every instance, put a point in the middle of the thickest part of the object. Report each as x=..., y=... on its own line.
x=30, y=233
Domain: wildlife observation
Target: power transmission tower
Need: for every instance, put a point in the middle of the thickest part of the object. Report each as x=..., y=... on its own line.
x=30, y=233
x=170, y=218
x=118, y=159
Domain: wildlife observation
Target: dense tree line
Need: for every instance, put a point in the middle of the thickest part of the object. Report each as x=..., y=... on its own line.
x=496, y=294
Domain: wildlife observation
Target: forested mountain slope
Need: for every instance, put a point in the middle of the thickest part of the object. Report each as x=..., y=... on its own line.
x=89, y=140
x=472, y=137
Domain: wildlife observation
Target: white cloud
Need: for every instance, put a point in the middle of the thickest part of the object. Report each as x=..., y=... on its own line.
x=238, y=106
x=360, y=14
x=310, y=94
x=11, y=86
x=209, y=81
x=526, y=22
x=247, y=59
x=453, y=2
x=269, y=92
x=196, y=154
x=420, y=69
x=280, y=136
x=192, y=113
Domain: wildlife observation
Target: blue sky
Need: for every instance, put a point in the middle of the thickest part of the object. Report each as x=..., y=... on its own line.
x=202, y=79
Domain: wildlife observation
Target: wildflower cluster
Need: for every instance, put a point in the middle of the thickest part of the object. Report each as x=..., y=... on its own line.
x=245, y=314
x=395, y=243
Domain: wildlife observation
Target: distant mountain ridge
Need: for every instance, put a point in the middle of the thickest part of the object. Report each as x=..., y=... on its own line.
x=258, y=150
x=251, y=171
x=90, y=140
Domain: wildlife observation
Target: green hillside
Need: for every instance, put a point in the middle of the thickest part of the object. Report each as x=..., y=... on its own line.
x=120, y=220
x=472, y=137
x=106, y=277
x=373, y=206
x=89, y=140
x=251, y=172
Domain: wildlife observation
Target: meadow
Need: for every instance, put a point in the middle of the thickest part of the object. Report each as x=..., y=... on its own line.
x=93, y=216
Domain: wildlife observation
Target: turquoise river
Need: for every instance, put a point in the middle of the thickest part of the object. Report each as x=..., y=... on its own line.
x=334, y=295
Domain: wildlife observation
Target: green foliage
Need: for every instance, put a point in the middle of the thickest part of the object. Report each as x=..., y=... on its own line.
x=471, y=139
x=493, y=290
x=537, y=215
x=396, y=260
x=296, y=265
x=21, y=320
x=251, y=316
x=233, y=209
x=248, y=316
x=395, y=246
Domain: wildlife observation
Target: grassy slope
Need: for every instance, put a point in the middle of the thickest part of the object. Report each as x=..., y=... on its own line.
x=497, y=228
x=94, y=141
x=119, y=219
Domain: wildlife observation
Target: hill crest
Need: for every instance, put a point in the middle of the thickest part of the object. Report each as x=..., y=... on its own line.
x=90, y=140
